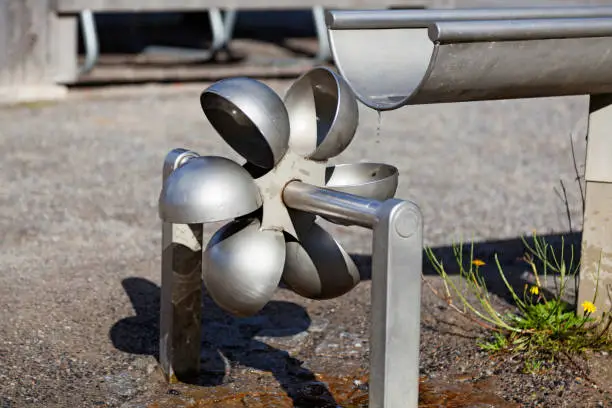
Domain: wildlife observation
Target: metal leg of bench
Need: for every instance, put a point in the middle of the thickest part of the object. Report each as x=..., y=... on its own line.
x=597, y=228
x=90, y=39
x=397, y=262
x=220, y=38
x=218, y=30
x=230, y=24
x=181, y=292
x=324, y=51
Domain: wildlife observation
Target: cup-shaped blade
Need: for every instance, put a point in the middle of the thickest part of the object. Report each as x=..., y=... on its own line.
x=242, y=266
x=323, y=114
x=371, y=180
x=317, y=267
x=208, y=189
x=250, y=117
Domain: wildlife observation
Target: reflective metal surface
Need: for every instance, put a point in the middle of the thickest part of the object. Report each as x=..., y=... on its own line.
x=242, y=266
x=341, y=207
x=371, y=180
x=323, y=114
x=208, y=189
x=519, y=30
x=317, y=267
x=174, y=159
x=434, y=56
x=386, y=19
x=250, y=117
x=274, y=235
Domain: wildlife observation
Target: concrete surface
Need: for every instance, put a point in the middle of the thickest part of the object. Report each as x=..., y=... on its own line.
x=79, y=181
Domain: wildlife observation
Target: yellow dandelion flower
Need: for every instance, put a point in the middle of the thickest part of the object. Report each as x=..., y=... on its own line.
x=478, y=262
x=588, y=307
x=534, y=290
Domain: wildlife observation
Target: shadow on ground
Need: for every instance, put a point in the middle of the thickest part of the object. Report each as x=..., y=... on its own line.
x=226, y=340
x=229, y=341
x=510, y=253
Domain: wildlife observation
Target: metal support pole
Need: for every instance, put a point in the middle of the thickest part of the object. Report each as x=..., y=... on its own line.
x=90, y=40
x=597, y=227
x=324, y=52
x=397, y=260
x=181, y=291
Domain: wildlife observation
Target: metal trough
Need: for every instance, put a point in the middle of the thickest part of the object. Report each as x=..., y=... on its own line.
x=435, y=56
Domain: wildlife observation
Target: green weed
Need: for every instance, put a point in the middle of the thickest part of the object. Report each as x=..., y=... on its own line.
x=543, y=327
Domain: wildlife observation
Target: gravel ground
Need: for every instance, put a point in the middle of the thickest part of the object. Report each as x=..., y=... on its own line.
x=79, y=261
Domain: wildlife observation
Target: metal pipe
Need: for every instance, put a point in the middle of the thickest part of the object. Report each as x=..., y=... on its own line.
x=90, y=39
x=340, y=206
x=381, y=19
x=517, y=30
x=324, y=52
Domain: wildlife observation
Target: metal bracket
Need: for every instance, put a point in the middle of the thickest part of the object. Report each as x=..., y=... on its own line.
x=181, y=290
x=397, y=261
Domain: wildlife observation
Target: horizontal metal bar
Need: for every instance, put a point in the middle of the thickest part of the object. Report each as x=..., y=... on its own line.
x=518, y=30
x=75, y=6
x=340, y=206
x=383, y=19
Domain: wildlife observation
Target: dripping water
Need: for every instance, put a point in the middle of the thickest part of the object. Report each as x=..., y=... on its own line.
x=378, y=126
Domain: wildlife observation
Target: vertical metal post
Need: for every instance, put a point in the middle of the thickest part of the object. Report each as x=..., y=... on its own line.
x=597, y=228
x=396, y=306
x=324, y=52
x=181, y=291
x=397, y=262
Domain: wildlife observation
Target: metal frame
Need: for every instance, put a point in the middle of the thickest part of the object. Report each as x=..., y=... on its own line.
x=397, y=243
x=222, y=30
x=181, y=290
x=222, y=33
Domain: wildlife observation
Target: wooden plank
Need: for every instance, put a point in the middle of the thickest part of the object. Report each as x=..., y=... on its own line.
x=11, y=15
x=34, y=41
x=64, y=46
x=132, y=74
x=596, y=258
x=75, y=6
x=25, y=53
x=5, y=62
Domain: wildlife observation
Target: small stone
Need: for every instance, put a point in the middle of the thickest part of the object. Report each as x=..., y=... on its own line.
x=151, y=368
x=318, y=326
x=121, y=384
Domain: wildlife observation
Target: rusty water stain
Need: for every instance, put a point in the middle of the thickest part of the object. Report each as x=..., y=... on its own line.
x=331, y=392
